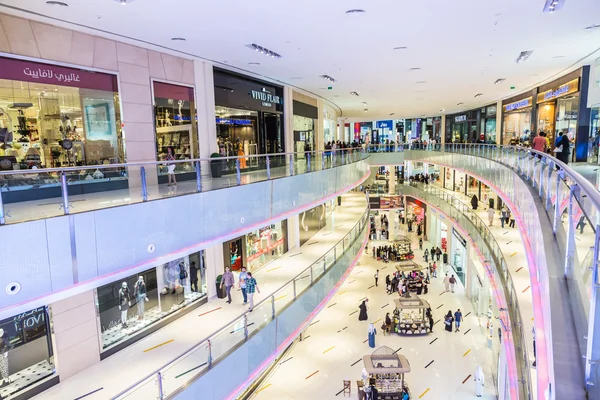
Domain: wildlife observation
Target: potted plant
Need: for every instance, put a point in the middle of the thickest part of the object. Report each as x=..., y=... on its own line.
x=216, y=166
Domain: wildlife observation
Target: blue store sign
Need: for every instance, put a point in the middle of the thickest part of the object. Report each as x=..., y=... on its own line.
x=385, y=124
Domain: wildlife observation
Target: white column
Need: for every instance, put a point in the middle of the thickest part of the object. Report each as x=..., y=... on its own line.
x=499, y=112
x=293, y=233
x=443, y=128
x=76, y=338
x=215, y=265
x=288, y=118
x=319, y=129
x=205, y=106
x=341, y=130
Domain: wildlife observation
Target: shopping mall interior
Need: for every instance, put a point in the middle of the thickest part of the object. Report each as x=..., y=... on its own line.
x=264, y=212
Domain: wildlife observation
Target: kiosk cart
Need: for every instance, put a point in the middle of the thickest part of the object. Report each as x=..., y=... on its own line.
x=410, y=316
x=403, y=244
x=385, y=370
x=408, y=266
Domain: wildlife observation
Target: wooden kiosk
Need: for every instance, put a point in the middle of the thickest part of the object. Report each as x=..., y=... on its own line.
x=410, y=316
x=385, y=370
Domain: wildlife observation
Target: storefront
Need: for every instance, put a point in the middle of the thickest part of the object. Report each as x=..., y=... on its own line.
x=517, y=123
x=176, y=127
x=329, y=125
x=257, y=248
x=305, y=120
x=363, y=131
x=438, y=230
x=487, y=132
x=53, y=116
x=480, y=289
x=462, y=128
x=26, y=355
x=249, y=116
x=594, y=139
x=311, y=222
x=458, y=255
x=416, y=216
x=385, y=130
x=132, y=308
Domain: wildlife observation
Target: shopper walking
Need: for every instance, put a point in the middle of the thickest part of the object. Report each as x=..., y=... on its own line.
x=362, y=315
x=503, y=216
x=227, y=281
x=452, y=281
x=388, y=284
x=193, y=276
x=448, y=319
x=491, y=215
x=376, y=278
x=447, y=282
x=474, y=202
x=479, y=381
x=372, y=332
x=242, y=284
x=434, y=270
x=251, y=287
x=420, y=244
x=457, y=319
x=563, y=148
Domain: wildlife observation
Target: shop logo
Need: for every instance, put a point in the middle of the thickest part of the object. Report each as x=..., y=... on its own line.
x=518, y=104
x=558, y=92
x=266, y=97
x=49, y=74
x=460, y=118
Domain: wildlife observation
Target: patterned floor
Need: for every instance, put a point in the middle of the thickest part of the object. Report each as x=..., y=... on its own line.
x=27, y=377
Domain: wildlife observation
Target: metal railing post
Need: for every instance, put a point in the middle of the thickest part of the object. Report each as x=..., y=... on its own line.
x=2, y=216
x=294, y=284
x=322, y=160
x=65, y=192
x=268, y=168
x=209, y=349
x=548, y=186
x=161, y=395
x=311, y=276
x=273, y=306
x=245, y=326
x=198, y=177
x=291, y=164
x=144, y=184
x=308, y=161
x=556, y=204
x=238, y=173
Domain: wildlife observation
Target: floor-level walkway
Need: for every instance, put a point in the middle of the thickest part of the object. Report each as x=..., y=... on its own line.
x=442, y=363
x=122, y=370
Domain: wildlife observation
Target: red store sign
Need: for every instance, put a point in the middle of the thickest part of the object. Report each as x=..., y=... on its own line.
x=28, y=71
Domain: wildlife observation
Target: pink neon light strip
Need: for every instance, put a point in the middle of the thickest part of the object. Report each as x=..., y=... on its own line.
x=542, y=369
x=290, y=338
x=170, y=256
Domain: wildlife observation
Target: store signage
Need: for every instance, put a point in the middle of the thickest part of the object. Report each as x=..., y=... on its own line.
x=460, y=118
x=28, y=71
x=384, y=124
x=233, y=121
x=459, y=237
x=265, y=97
x=518, y=104
x=562, y=90
x=265, y=250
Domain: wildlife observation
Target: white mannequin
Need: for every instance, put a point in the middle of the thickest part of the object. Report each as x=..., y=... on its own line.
x=140, y=296
x=124, y=303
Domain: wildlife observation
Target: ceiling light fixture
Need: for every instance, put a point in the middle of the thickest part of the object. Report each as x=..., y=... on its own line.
x=253, y=63
x=589, y=28
x=366, y=109
x=499, y=80
x=328, y=78
x=295, y=77
x=123, y=2
x=355, y=11
x=392, y=114
x=558, y=57
x=478, y=95
x=178, y=39
x=263, y=50
x=354, y=94
x=553, y=5
x=459, y=104
x=57, y=3
x=421, y=81
x=524, y=56
x=442, y=110
x=400, y=48
x=415, y=69
x=364, y=103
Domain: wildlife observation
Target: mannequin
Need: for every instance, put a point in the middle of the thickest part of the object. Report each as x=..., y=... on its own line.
x=140, y=295
x=4, y=348
x=124, y=303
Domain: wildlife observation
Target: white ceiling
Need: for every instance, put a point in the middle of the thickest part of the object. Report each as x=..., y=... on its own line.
x=461, y=47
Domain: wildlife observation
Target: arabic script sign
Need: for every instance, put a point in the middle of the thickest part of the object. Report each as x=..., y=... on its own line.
x=21, y=70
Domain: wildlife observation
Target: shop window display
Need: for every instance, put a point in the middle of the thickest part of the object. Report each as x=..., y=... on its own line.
x=131, y=305
x=176, y=128
x=265, y=245
x=594, y=138
x=26, y=355
x=237, y=133
x=304, y=135
x=517, y=127
x=54, y=116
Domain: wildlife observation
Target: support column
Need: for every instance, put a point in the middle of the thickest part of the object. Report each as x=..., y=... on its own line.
x=205, y=106
x=499, y=113
x=215, y=265
x=288, y=119
x=443, y=128
x=319, y=129
x=293, y=233
x=341, y=128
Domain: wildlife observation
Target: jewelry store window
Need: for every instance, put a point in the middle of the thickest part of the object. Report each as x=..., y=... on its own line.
x=131, y=306
x=25, y=351
x=176, y=129
x=53, y=117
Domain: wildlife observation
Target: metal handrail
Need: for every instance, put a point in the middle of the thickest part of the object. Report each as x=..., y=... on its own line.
x=361, y=224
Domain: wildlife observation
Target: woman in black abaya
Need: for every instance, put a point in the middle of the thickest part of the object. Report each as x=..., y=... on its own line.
x=362, y=316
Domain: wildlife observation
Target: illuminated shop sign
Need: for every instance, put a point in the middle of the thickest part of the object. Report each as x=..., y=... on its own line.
x=562, y=90
x=460, y=118
x=233, y=121
x=518, y=104
x=265, y=97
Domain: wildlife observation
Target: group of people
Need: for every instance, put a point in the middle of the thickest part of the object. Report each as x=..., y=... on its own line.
x=424, y=178
x=386, y=252
x=435, y=252
x=246, y=282
x=449, y=319
x=506, y=216
x=401, y=283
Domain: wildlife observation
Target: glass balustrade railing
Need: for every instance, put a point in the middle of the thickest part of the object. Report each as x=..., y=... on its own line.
x=495, y=265
x=29, y=194
x=187, y=367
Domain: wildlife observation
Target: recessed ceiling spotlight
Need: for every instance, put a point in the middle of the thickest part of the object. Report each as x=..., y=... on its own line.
x=442, y=110
x=421, y=81
x=400, y=48
x=392, y=114
x=459, y=104
x=524, y=56
x=263, y=50
x=355, y=12
x=354, y=94
x=499, y=80
x=123, y=2
x=366, y=109
x=180, y=39
x=253, y=63
x=364, y=103
x=295, y=77
x=415, y=69
x=553, y=5
x=478, y=95
x=57, y=3
x=328, y=78
x=589, y=28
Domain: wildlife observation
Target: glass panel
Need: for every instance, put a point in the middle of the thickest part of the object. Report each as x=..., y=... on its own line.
x=184, y=369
